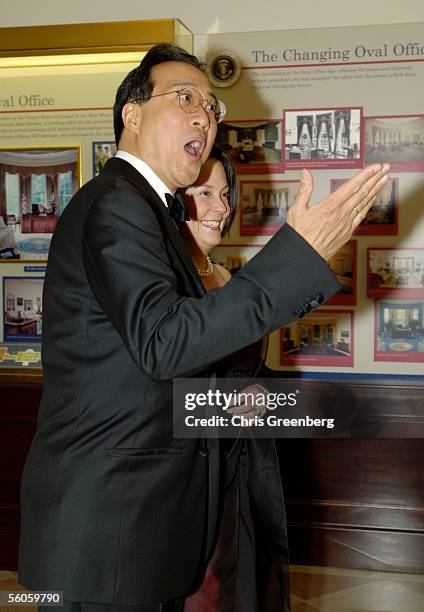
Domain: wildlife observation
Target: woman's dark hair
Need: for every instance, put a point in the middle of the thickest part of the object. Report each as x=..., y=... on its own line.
x=138, y=84
x=233, y=188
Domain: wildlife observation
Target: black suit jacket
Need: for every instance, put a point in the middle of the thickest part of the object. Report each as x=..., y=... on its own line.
x=114, y=509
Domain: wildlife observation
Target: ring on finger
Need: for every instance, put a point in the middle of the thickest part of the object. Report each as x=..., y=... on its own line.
x=355, y=208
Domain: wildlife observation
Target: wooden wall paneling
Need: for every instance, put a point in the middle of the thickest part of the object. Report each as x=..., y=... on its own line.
x=359, y=502
x=350, y=502
x=18, y=414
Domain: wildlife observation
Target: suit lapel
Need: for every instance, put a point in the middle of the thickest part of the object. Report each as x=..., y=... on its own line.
x=122, y=168
x=169, y=228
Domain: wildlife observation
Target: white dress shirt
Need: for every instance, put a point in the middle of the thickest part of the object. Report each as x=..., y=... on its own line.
x=151, y=177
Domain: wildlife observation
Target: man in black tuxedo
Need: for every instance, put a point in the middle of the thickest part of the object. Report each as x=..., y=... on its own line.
x=115, y=511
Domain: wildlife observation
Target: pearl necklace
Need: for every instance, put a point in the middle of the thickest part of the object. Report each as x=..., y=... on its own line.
x=208, y=270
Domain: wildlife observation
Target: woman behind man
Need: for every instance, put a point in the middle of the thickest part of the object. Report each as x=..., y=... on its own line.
x=212, y=204
x=249, y=568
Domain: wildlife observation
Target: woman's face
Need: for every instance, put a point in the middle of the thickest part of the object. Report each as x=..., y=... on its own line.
x=207, y=202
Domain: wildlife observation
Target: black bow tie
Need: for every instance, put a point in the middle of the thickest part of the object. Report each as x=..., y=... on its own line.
x=177, y=207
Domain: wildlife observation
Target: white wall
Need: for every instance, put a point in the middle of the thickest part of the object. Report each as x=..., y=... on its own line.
x=218, y=15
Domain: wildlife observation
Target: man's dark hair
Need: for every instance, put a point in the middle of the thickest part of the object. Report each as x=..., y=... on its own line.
x=138, y=84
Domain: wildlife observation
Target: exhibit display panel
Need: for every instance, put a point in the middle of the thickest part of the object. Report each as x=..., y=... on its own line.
x=331, y=100
x=58, y=85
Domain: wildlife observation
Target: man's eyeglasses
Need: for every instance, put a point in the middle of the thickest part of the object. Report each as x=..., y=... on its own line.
x=190, y=99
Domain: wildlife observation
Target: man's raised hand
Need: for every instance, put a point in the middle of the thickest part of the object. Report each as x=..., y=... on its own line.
x=328, y=225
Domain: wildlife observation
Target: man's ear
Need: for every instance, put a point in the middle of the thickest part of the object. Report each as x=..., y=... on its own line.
x=131, y=116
